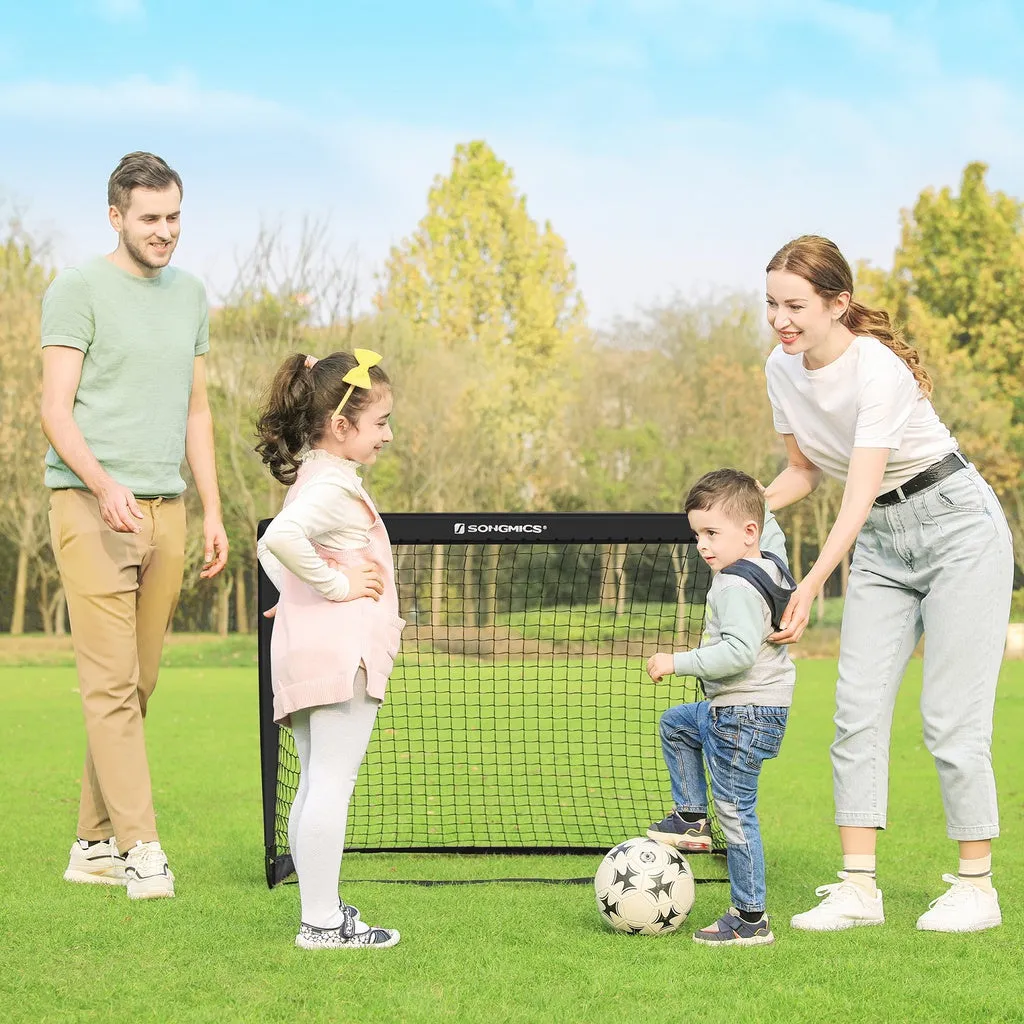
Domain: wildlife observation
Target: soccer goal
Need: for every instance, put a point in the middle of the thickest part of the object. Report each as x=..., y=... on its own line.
x=519, y=717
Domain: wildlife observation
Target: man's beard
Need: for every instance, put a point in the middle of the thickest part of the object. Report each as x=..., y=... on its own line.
x=139, y=254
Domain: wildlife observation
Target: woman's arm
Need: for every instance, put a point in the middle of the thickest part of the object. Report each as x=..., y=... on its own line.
x=863, y=479
x=796, y=481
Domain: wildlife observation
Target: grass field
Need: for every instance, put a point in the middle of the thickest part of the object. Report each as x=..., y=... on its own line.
x=222, y=950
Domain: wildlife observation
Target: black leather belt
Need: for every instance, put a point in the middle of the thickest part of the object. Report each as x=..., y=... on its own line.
x=951, y=464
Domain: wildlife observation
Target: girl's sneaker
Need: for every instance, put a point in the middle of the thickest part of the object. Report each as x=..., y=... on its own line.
x=689, y=836
x=95, y=864
x=311, y=937
x=731, y=930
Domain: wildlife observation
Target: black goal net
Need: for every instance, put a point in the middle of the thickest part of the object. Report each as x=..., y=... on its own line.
x=519, y=716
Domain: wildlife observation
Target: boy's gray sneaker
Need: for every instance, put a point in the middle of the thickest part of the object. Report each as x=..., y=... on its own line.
x=689, y=836
x=731, y=930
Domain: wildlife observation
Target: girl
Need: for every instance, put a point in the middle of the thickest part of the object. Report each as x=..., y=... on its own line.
x=336, y=628
x=933, y=556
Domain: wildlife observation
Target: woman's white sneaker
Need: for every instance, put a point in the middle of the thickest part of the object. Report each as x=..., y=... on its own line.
x=147, y=872
x=962, y=908
x=846, y=905
x=96, y=864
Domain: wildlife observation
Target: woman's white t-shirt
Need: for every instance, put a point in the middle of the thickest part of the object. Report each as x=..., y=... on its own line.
x=867, y=398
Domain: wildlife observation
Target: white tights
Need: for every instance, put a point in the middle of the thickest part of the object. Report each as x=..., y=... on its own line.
x=331, y=741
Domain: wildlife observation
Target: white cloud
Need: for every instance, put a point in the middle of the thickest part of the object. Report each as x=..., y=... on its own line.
x=135, y=96
x=604, y=53
x=648, y=208
x=120, y=10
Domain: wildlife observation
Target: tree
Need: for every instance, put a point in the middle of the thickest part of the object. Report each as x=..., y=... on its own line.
x=23, y=499
x=659, y=401
x=958, y=287
x=962, y=257
x=498, y=296
x=282, y=301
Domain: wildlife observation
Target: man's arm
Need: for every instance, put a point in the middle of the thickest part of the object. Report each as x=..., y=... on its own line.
x=202, y=462
x=62, y=373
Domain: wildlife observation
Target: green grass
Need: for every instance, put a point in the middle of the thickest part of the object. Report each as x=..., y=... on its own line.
x=514, y=771
x=222, y=950
x=652, y=623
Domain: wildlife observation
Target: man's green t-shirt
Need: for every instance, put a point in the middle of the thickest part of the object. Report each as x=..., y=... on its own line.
x=140, y=337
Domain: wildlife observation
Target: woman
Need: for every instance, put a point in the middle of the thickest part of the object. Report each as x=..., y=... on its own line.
x=933, y=555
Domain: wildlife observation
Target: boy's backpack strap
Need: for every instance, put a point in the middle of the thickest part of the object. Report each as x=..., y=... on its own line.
x=776, y=596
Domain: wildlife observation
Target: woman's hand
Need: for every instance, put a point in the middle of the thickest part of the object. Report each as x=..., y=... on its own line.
x=796, y=616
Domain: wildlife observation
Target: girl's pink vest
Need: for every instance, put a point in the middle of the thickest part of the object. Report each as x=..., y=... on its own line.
x=317, y=645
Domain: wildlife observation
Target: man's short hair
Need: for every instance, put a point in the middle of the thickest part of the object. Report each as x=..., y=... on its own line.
x=736, y=493
x=139, y=170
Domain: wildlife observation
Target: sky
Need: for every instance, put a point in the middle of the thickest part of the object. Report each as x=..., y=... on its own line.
x=674, y=144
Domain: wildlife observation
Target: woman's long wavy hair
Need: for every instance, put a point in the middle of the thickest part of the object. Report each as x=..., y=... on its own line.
x=819, y=262
x=299, y=403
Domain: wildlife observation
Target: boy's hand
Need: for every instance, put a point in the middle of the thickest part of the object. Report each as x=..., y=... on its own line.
x=659, y=666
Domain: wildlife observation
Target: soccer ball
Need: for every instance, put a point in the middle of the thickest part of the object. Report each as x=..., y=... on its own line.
x=644, y=887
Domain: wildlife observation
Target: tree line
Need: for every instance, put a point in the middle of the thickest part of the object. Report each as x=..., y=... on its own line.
x=506, y=399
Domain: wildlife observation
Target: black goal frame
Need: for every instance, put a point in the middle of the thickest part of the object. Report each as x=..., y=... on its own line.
x=449, y=529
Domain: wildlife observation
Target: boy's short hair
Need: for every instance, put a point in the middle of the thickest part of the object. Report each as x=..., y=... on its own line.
x=736, y=493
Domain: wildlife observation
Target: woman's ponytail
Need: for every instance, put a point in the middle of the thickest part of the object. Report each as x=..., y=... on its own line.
x=875, y=322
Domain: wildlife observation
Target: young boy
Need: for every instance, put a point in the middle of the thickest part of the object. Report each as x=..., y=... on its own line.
x=748, y=682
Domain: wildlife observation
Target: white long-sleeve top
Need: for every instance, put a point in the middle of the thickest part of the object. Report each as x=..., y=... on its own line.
x=329, y=511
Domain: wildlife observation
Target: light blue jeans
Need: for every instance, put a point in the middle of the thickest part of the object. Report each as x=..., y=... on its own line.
x=939, y=563
x=735, y=742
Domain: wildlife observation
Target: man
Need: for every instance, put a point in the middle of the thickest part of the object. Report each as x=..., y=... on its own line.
x=124, y=399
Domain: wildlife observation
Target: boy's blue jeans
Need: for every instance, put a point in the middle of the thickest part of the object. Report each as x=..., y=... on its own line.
x=734, y=741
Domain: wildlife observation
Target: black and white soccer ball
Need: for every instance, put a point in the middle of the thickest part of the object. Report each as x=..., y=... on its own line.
x=644, y=887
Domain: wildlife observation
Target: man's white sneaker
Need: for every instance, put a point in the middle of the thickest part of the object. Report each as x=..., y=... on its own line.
x=98, y=864
x=962, y=908
x=846, y=905
x=147, y=873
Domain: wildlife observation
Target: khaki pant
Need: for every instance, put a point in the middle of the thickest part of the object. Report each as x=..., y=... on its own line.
x=121, y=590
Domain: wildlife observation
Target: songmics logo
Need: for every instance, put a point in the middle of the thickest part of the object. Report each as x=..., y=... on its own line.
x=499, y=528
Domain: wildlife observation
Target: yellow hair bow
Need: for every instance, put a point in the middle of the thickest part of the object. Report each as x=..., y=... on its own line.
x=359, y=375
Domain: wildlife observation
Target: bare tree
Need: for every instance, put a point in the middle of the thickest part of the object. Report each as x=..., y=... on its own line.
x=23, y=498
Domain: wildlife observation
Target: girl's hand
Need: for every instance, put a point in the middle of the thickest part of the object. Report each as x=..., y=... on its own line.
x=270, y=612
x=659, y=666
x=796, y=616
x=363, y=581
